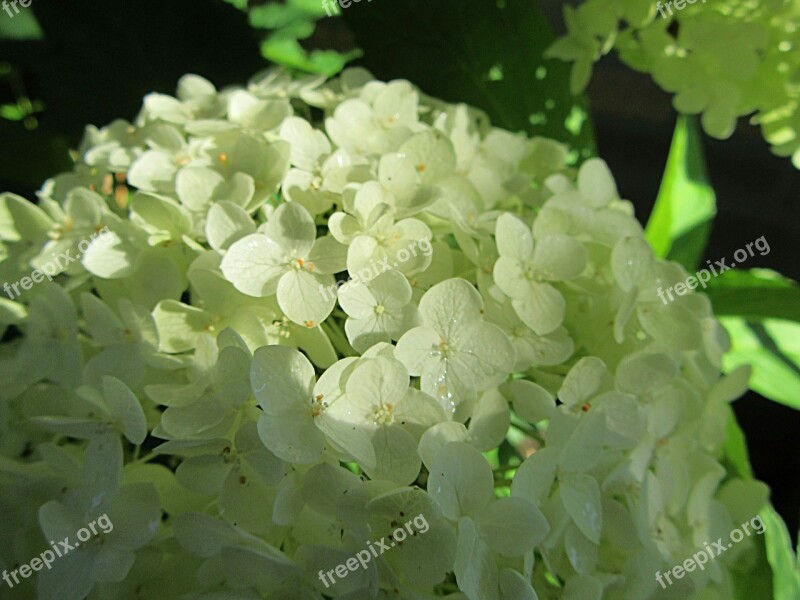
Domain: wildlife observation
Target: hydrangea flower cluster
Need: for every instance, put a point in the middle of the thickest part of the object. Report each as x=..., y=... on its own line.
x=722, y=59
x=246, y=431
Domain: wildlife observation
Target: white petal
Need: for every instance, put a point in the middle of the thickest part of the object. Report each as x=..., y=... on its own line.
x=254, y=265
x=514, y=238
x=302, y=297
x=460, y=481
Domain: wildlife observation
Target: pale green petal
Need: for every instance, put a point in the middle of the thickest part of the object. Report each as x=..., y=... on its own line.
x=301, y=299
x=203, y=416
x=153, y=171
x=328, y=256
x=512, y=526
x=415, y=347
x=531, y=401
x=281, y=377
x=559, y=257
x=581, y=496
x=642, y=371
x=204, y=535
x=460, y=481
x=242, y=498
x=490, y=420
x=378, y=381
x=596, y=183
x=475, y=567
x=125, y=409
x=343, y=227
x=535, y=476
x=631, y=261
x=292, y=436
x=195, y=187
x=348, y=434
x=365, y=333
x=357, y=300
x=288, y=500
x=254, y=265
x=418, y=411
x=440, y=305
x=482, y=353
x=671, y=325
x=581, y=551
x=136, y=515
x=112, y=259
x=543, y=310
x=308, y=144
x=396, y=456
x=227, y=223
x=584, y=448
x=583, y=381
x=239, y=189
x=583, y=587
x=514, y=238
x=437, y=437
x=180, y=325
x=391, y=289
x=292, y=229
x=513, y=586
x=203, y=474
x=21, y=219
x=432, y=154
x=509, y=275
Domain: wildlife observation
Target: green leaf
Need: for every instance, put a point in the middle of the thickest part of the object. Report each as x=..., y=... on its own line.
x=23, y=26
x=680, y=223
x=769, y=575
x=736, y=448
x=785, y=567
x=240, y=4
x=288, y=52
x=772, y=347
x=12, y=112
x=755, y=295
x=483, y=52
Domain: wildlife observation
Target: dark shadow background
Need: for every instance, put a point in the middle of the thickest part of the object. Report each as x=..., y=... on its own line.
x=100, y=58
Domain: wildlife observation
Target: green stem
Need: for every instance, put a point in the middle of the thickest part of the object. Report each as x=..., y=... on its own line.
x=530, y=432
x=338, y=339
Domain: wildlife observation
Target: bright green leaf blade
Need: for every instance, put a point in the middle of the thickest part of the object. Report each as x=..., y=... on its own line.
x=680, y=223
x=23, y=26
x=736, y=448
x=765, y=572
x=482, y=52
x=288, y=52
x=771, y=348
x=785, y=567
x=755, y=295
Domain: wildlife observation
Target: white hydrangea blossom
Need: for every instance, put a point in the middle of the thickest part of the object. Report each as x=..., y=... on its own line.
x=246, y=426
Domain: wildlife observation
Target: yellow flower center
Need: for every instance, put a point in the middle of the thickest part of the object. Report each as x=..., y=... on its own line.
x=384, y=414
